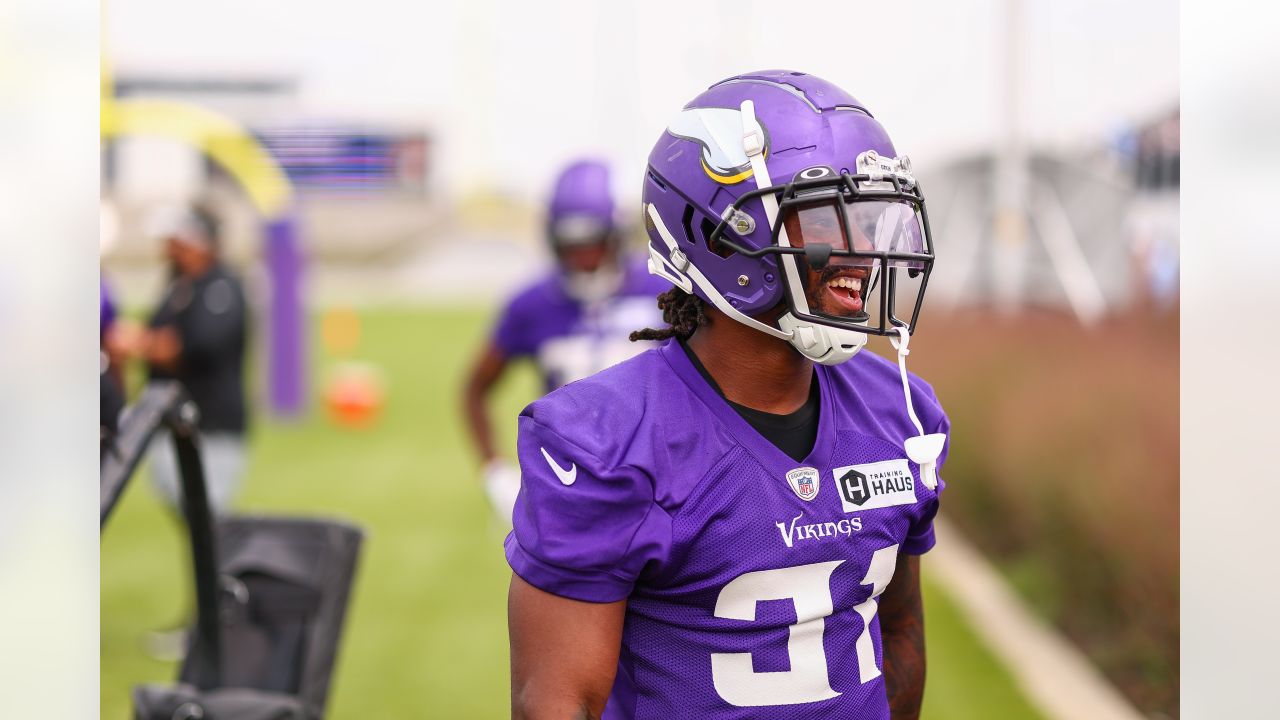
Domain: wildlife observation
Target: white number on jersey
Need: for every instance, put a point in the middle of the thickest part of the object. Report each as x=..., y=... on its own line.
x=809, y=588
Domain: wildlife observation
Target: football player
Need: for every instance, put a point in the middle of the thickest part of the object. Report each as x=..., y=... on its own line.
x=110, y=378
x=573, y=322
x=729, y=526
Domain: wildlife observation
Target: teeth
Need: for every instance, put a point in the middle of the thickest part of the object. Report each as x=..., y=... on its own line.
x=854, y=284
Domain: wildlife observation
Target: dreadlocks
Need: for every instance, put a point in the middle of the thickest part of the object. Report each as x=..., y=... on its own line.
x=682, y=311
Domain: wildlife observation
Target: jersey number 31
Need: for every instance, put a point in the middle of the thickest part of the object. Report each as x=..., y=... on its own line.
x=809, y=587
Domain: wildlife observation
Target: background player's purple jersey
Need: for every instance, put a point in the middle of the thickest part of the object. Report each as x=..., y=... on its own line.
x=570, y=340
x=744, y=598
x=106, y=308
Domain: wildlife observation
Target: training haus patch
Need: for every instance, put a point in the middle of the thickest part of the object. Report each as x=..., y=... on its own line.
x=875, y=485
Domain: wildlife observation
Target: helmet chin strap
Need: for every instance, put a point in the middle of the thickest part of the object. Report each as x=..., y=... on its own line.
x=675, y=267
x=822, y=344
x=922, y=449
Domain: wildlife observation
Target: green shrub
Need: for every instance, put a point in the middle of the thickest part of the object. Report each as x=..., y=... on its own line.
x=1064, y=469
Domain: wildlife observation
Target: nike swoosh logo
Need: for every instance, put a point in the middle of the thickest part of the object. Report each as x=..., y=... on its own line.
x=567, y=477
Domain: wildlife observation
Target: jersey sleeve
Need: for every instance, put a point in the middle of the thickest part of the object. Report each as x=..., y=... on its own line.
x=106, y=308
x=920, y=537
x=512, y=333
x=583, y=528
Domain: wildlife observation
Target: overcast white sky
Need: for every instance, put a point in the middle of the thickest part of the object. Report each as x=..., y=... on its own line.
x=510, y=89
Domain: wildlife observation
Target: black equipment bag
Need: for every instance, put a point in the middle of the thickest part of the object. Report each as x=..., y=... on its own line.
x=184, y=702
x=271, y=592
x=284, y=586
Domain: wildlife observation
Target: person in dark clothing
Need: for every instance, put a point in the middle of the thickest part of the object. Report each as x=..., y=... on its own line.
x=110, y=404
x=197, y=335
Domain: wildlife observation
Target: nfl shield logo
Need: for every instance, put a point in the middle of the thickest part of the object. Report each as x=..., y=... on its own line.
x=805, y=482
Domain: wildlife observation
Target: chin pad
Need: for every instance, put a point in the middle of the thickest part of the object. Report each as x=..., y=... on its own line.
x=820, y=343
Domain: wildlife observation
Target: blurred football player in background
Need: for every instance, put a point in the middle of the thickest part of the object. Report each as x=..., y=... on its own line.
x=110, y=367
x=573, y=322
x=197, y=335
x=110, y=379
x=729, y=526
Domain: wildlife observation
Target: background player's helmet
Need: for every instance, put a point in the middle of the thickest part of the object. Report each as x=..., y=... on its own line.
x=581, y=208
x=581, y=219
x=765, y=174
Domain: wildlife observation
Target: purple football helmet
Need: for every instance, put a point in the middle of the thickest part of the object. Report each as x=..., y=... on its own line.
x=581, y=209
x=582, y=231
x=772, y=181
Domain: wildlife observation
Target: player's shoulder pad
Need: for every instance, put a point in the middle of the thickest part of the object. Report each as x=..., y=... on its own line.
x=589, y=518
x=869, y=370
x=601, y=414
x=533, y=298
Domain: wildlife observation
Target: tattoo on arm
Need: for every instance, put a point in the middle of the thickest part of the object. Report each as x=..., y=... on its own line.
x=902, y=636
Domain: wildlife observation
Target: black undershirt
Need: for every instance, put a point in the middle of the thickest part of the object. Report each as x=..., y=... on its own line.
x=793, y=433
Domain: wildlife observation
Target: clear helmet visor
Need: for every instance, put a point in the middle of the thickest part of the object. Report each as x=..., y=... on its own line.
x=868, y=231
x=874, y=273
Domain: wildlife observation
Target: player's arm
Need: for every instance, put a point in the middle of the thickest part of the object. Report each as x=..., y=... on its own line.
x=564, y=653
x=902, y=635
x=162, y=347
x=484, y=374
x=158, y=346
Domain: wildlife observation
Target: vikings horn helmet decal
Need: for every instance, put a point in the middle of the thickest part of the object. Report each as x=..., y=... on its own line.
x=772, y=181
x=719, y=132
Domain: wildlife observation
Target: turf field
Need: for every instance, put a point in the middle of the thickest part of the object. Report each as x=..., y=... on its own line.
x=426, y=635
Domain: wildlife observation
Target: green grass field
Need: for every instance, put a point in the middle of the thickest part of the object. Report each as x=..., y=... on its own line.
x=426, y=634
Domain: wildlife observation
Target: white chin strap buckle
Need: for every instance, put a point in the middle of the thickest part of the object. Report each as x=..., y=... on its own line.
x=820, y=343
x=922, y=449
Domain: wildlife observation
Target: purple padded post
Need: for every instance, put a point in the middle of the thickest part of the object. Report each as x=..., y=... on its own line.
x=286, y=347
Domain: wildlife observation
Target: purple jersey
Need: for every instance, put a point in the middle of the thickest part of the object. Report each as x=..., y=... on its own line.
x=570, y=340
x=750, y=578
x=106, y=308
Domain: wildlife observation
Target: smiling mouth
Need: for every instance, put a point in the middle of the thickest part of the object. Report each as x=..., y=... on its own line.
x=845, y=291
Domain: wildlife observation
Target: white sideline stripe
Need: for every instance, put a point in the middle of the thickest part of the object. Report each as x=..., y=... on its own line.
x=1056, y=677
